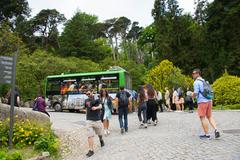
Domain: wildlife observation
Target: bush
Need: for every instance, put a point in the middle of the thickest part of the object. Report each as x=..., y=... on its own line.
x=167, y=75
x=26, y=133
x=11, y=156
x=47, y=143
x=226, y=90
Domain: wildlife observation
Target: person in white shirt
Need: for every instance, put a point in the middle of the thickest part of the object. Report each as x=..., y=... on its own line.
x=159, y=99
x=175, y=99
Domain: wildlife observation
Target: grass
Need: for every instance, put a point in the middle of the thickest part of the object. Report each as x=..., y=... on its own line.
x=27, y=152
x=227, y=107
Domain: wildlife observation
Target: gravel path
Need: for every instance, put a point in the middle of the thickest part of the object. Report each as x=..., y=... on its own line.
x=175, y=137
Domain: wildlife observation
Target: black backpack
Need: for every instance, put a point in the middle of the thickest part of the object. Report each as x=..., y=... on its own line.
x=123, y=99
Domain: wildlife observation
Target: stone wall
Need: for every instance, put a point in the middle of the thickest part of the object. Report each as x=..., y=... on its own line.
x=23, y=113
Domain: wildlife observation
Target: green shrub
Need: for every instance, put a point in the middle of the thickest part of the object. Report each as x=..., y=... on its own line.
x=10, y=156
x=47, y=143
x=26, y=133
x=167, y=75
x=234, y=106
x=3, y=155
x=226, y=90
x=14, y=156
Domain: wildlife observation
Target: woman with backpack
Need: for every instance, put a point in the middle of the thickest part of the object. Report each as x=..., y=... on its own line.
x=106, y=110
x=142, y=107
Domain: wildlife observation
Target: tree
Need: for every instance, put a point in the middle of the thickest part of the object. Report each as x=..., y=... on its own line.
x=33, y=69
x=136, y=71
x=222, y=38
x=79, y=38
x=146, y=44
x=107, y=29
x=119, y=32
x=46, y=22
x=11, y=10
x=167, y=75
x=200, y=11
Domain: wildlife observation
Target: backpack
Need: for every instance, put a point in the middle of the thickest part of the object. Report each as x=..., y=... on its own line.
x=207, y=89
x=188, y=99
x=123, y=99
x=180, y=92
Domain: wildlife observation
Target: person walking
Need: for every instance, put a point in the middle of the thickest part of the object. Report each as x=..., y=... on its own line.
x=204, y=105
x=106, y=110
x=160, y=101
x=142, y=107
x=41, y=105
x=151, y=104
x=167, y=99
x=93, y=108
x=123, y=102
x=189, y=100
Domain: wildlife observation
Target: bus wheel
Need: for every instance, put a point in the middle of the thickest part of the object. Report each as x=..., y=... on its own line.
x=57, y=107
x=71, y=110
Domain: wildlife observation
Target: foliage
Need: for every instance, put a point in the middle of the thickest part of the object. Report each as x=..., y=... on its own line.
x=46, y=23
x=11, y=156
x=226, y=90
x=11, y=10
x=192, y=42
x=137, y=71
x=227, y=107
x=222, y=37
x=33, y=69
x=78, y=38
x=26, y=133
x=9, y=41
x=167, y=75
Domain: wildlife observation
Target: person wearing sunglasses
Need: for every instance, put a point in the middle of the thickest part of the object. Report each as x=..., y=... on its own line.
x=94, y=124
x=204, y=105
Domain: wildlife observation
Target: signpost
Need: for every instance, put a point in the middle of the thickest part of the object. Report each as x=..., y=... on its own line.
x=8, y=76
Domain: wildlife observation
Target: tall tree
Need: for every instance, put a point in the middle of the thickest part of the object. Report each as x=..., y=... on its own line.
x=79, y=38
x=46, y=22
x=10, y=10
x=222, y=37
x=108, y=26
x=200, y=11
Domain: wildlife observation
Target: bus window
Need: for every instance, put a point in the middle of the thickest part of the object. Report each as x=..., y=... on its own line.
x=110, y=83
x=88, y=83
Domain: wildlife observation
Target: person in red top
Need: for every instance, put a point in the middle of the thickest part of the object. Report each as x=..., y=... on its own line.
x=41, y=105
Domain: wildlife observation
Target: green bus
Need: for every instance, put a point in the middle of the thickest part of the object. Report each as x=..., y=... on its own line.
x=68, y=91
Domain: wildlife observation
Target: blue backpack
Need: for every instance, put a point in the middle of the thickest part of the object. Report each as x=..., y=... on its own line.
x=207, y=89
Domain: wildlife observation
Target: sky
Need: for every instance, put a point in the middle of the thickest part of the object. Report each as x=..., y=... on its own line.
x=136, y=10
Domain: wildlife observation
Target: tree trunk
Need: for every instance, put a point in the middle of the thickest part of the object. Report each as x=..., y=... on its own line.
x=116, y=47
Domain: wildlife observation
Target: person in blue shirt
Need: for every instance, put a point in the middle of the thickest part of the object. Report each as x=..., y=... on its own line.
x=204, y=105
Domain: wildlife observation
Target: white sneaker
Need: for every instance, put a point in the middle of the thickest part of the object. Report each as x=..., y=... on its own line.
x=145, y=125
x=105, y=132
x=155, y=122
x=108, y=132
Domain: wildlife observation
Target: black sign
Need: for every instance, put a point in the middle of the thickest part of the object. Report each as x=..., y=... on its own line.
x=6, y=69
